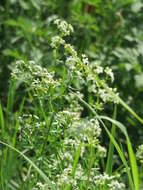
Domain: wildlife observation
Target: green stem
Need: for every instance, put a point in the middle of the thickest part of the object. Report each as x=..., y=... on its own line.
x=130, y=110
x=111, y=146
x=91, y=161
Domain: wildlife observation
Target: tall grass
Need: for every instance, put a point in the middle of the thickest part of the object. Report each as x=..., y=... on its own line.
x=134, y=183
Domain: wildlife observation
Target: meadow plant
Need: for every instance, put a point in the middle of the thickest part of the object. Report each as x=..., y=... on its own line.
x=139, y=153
x=56, y=131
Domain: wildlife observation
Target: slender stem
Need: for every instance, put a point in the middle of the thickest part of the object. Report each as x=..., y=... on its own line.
x=41, y=173
x=111, y=146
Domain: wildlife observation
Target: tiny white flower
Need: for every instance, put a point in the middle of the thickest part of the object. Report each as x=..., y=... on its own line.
x=56, y=40
x=85, y=59
x=115, y=185
x=99, y=69
x=109, y=72
x=64, y=27
x=139, y=153
x=101, y=151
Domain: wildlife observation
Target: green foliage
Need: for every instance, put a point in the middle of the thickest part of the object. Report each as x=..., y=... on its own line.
x=53, y=94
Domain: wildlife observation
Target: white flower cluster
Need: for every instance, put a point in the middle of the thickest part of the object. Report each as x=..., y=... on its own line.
x=99, y=69
x=34, y=76
x=71, y=62
x=27, y=130
x=65, y=178
x=56, y=40
x=18, y=70
x=74, y=105
x=68, y=115
x=64, y=27
x=139, y=153
x=101, y=179
x=101, y=151
x=70, y=49
x=77, y=66
x=85, y=59
x=85, y=129
x=109, y=72
x=104, y=180
x=40, y=186
x=115, y=185
x=108, y=96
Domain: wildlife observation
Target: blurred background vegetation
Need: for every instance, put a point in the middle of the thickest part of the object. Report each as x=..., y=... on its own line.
x=109, y=32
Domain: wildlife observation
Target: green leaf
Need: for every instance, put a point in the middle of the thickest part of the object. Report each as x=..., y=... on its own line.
x=111, y=146
x=76, y=159
x=132, y=157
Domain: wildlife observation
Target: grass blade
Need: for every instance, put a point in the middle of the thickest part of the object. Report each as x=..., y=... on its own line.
x=130, y=110
x=133, y=164
x=76, y=159
x=17, y=123
x=41, y=173
x=2, y=122
x=130, y=150
x=121, y=154
x=111, y=146
x=132, y=158
x=10, y=100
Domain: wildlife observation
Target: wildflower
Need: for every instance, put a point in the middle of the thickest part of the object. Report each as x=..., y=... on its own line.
x=115, y=185
x=102, y=179
x=70, y=62
x=56, y=40
x=64, y=27
x=109, y=72
x=85, y=59
x=99, y=69
x=92, y=88
x=104, y=96
x=101, y=151
x=70, y=49
x=42, y=186
x=139, y=153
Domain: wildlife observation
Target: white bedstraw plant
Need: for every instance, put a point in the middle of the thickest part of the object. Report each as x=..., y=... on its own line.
x=68, y=140
x=93, y=73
